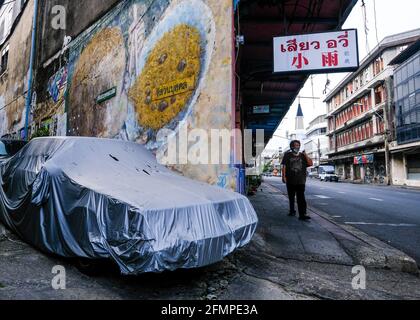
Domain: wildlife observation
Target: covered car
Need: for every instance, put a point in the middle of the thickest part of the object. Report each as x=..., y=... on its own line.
x=8, y=148
x=107, y=199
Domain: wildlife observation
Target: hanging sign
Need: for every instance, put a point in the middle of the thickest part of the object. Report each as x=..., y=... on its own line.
x=261, y=109
x=107, y=95
x=325, y=52
x=365, y=159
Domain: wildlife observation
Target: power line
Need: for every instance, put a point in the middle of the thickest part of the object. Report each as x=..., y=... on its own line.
x=364, y=13
x=376, y=21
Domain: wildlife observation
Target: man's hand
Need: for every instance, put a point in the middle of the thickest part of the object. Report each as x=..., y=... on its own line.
x=308, y=160
x=283, y=174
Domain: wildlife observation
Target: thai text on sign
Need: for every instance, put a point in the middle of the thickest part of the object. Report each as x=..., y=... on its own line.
x=317, y=53
x=174, y=88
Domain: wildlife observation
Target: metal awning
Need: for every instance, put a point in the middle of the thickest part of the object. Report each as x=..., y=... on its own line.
x=262, y=20
x=406, y=148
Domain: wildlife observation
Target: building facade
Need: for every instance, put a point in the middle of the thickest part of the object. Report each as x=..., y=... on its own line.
x=405, y=151
x=154, y=72
x=98, y=64
x=317, y=142
x=360, y=115
x=15, y=50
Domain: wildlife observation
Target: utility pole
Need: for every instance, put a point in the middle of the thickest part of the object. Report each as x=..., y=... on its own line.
x=388, y=106
x=319, y=152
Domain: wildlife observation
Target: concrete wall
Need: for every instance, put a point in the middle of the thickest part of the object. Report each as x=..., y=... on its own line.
x=13, y=83
x=9, y=12
x=136, y=49
x=399, y=171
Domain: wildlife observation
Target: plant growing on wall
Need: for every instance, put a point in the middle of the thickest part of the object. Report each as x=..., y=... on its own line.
x=41, y=132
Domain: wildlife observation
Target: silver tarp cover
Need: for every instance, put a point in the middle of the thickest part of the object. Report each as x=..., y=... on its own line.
x=97, y=198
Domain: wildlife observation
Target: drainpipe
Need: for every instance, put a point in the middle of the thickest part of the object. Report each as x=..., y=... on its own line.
x=31, y=70
x=388, y=124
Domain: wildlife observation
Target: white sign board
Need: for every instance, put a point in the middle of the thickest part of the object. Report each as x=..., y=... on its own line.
x=317, y=52
x=261, y=109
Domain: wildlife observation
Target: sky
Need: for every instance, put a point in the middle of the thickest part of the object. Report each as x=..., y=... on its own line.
x=392, y=17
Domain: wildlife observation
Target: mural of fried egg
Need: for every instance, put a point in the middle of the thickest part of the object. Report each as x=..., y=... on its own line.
x=173, y=64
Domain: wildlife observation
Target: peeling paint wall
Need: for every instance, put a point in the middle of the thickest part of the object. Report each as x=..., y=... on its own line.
x=80, y=15
x=163, y=63
x=13, y=82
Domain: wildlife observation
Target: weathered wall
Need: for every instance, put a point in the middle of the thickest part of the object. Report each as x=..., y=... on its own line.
x=398, y=169
x=80, y=15
x=139, y=50
x=13, y=83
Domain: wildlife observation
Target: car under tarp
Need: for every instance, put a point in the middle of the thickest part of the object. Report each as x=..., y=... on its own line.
x=109, y=199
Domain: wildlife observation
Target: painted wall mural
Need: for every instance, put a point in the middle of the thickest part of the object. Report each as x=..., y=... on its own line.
x=57, y=85
x=169, y=78
x=147, y=66
x=100, y=66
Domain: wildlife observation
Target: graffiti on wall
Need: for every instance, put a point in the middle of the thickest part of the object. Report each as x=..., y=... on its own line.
x=168, y=79
x=57, y=85
x=99, y=67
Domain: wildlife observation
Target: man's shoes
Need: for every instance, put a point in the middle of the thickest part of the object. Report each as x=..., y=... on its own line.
x=292, y=214
x=305, y=218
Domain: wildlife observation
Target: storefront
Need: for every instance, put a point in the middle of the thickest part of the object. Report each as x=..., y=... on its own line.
x=413, y=167
x=406, y=165
x=362, y=167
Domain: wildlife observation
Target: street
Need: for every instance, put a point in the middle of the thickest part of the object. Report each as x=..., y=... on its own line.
x=390, y=214
x=287, y=260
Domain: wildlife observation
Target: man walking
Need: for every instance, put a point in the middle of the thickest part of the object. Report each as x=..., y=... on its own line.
x=294, y=168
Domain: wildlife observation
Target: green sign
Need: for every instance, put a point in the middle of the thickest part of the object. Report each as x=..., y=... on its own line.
x=107, y=95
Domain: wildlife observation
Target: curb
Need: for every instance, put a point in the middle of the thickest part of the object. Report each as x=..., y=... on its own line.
x=386, y=256
x=369, y=251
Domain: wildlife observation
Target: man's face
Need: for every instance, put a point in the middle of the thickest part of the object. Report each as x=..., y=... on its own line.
x=296, y=147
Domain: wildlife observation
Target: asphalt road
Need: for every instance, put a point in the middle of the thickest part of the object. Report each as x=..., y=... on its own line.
x=390, y=214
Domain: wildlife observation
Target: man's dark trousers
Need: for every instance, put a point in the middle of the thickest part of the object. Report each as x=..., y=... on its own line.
x=297, y=191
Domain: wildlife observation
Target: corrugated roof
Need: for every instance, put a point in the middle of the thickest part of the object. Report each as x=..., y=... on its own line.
x=260, y=22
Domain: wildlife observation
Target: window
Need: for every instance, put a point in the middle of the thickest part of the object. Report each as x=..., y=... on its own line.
x=417, y=82
x=411, y=69
x=379, y=99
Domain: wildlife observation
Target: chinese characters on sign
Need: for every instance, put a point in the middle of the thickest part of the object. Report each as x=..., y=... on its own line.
x=317, y=53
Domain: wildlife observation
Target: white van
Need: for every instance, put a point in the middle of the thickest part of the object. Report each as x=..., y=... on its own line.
x=327, y=173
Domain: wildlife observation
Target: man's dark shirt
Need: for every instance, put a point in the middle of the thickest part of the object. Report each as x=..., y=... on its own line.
x=296, y=166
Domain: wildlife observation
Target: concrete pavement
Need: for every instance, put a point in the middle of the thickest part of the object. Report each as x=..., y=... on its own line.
x=391, y=214
x=287, y=260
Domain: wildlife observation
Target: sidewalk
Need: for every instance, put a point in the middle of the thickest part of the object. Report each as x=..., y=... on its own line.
x=315, y=259
x=404, y=187
x=325, y=240
x=287, y=260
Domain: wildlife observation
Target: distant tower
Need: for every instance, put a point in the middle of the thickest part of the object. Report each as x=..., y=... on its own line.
x=299, y=133
x=300, y=123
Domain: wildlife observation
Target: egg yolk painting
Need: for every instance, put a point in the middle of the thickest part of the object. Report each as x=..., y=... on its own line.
x=169, y=77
